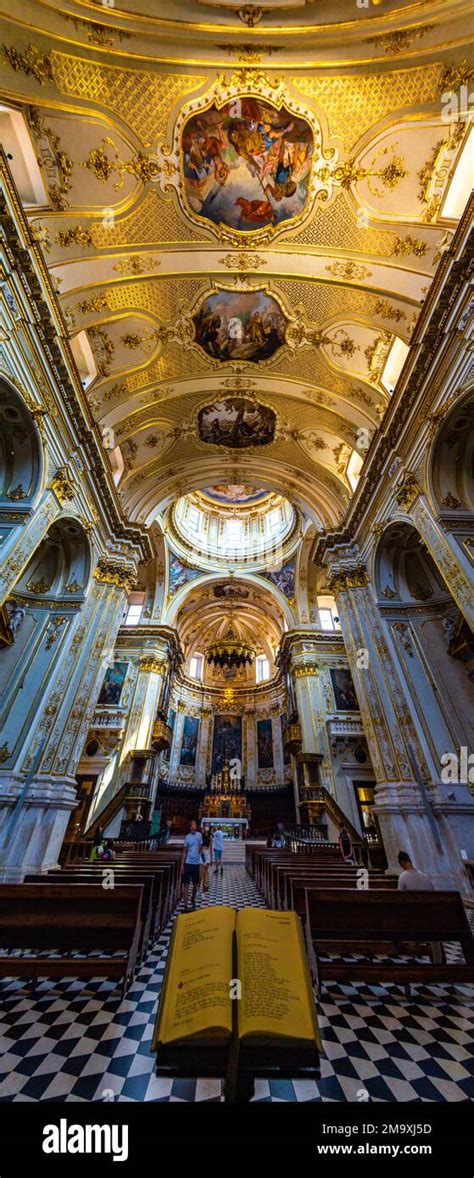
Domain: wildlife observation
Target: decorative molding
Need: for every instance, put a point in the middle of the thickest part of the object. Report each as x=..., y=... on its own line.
x=63, y=486
x=408, y=491
x=152, y=665
x=110, y=572
x=305, y=671
x=354, y=577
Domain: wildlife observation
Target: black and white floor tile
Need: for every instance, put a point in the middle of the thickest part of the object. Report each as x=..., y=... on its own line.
x=71, y=1044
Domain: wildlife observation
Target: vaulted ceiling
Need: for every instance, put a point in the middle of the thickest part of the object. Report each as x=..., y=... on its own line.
x=341, y=127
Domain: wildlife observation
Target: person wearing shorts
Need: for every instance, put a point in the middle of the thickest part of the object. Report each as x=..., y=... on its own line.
x=217, y=849
x=191, y=862
x=205, y=858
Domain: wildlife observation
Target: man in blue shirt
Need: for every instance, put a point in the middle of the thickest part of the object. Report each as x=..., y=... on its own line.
x=191, y=862
x=218, y=847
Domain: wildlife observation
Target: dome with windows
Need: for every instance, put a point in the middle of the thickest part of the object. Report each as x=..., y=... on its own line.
x=234, y=525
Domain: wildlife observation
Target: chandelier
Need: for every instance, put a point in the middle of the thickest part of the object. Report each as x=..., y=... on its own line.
x=230, y=651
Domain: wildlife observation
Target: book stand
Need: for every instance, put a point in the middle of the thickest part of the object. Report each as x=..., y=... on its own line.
x=236, y=1062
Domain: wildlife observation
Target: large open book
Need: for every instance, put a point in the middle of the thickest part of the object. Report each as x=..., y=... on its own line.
x=215, y=949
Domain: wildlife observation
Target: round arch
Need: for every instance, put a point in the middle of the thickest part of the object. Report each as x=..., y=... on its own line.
x=451, y=459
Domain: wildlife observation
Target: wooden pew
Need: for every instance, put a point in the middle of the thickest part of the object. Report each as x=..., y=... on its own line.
x=389, y=922
x=301, y=884
x=289, y=879
x=151, y=897
x=44, y=918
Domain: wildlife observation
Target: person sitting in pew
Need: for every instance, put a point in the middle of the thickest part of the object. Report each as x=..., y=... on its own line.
x=106, y=851
x=410, y=879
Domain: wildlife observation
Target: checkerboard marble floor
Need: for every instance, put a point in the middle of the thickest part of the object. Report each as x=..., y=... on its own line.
x=68, y=1044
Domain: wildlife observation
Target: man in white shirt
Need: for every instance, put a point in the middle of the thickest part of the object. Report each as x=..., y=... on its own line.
x=412, y=880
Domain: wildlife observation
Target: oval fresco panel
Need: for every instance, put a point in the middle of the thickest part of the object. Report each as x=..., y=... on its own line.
x=240, y=325
x=246, y=165
x=236, y=422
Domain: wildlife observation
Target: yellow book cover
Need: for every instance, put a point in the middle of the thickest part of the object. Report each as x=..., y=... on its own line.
x=275, y=998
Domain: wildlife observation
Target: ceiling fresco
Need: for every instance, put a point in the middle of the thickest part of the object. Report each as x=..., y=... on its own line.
x=241, y=223
x=247, y=165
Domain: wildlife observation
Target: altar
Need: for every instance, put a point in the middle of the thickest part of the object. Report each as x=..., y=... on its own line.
x=234, y=827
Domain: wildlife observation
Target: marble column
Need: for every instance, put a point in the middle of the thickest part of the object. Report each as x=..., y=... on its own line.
x=453, y=563
x=390, y=731
x=31, y=840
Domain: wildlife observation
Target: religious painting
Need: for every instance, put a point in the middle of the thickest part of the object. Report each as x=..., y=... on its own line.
x=171, y=724
x=226, y=741
x=240, y=325
x=180, y=574
x=247, y=165
x=283, y=578
x=344, y=690
x=111, y=690
x=265, y=744
x=236, y=423
x=229, y=591
x=231, y=493
x=189, y=741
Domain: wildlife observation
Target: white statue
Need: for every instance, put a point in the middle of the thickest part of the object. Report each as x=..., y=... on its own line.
x=16, y=618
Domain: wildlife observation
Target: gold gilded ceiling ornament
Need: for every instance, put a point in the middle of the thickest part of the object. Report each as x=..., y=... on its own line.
x=17, y=493
x=120, y=389
x=75, y=235
x=349, y=271
x=408, y=491
x=103, y=348
x=38, y=587
x=63, y=486
x=400, y=39
x=455, y=76
x=41, y=235
x=249, y=54
x=101, y=35
x=31, y=62
x=450, y=500
x=52, y=157
x=242, y=261
x=319, y=398
x=4, y=753
x=97, y=303
x=387, y=311
x=405, y=246
x=376, y=353
x=129, y=452
x=238, y=382
x=73, y=587
x=109, y=572
x=426, y=176
x=137, y=265
x=54, y=628
x=390, y=173
x=250, y=15
x=144, y=167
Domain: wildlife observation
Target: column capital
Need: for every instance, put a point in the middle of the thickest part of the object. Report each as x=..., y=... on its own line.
x=353, y=576
x=152, y=665
x=407, y=491
x=113, y=572
x=63, y=485
x=304, y=670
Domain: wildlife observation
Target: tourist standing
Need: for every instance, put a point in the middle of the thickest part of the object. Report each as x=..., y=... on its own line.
x=206, y=859
x=217, y=849
x=191, y=862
